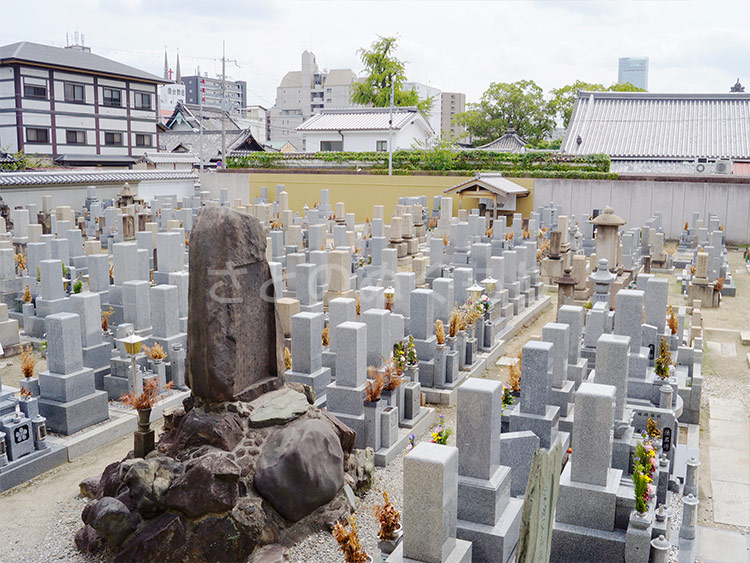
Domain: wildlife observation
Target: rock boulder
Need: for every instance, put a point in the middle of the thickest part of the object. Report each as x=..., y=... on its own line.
x=300, y=468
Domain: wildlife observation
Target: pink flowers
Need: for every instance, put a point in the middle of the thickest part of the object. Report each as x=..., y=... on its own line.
x=650, y=490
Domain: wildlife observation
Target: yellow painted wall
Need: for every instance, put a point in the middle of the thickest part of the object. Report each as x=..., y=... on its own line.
x=360, y=192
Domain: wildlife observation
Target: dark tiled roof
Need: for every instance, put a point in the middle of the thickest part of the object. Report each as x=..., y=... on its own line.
x=91, y=177
x=73, y=59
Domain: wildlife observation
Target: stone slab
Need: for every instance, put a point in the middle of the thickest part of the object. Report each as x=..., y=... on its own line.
x=488, y=542
x=32, y=465
x=72, y=416
x=722, y=546
x=278, y=407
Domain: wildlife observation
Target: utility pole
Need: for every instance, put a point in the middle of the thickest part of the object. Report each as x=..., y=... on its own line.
x=201, y=95
x=223, y=102
x=390, y=133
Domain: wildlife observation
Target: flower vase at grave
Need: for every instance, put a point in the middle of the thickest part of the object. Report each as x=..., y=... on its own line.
x=412, y=372
x=387, y=546
x=451, y=343
x=488, y=334
x=638, y=536
x=461, y=349
x=400, y=396
x=471, y=330
x=143, y=436
x=479, y=331
x=372, y=423
x=31, y=385
x=441, y=353
x=388, y=397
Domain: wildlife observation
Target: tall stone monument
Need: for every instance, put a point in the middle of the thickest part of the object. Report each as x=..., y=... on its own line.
x=230, y=289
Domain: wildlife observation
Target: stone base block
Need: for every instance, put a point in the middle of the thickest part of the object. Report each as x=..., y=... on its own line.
x=347, y=400
x=427, y=373
x=496, y=542
x=318, y=380
x=32, y=465
x=638, y=364
x=417, y=420
x=330, y=294
x=329, y=361
x=565, y=424
x=425, y=419
x=483, y=500
x=116, y=386
x=574, y=544
x=642, y=389
x=425, y=349
x=585, y=505
x=9, y=335
x=543, y=426
x=166, y=343
x=72, y=416
x=65, y=388
x=562, y=396
x=45, y=307
x=461, y=553
x=578, y=372
x=519, y=303
x=356, y=423
x=314, y=308
x=622, y=451
x=97, y=356
x=508, y=310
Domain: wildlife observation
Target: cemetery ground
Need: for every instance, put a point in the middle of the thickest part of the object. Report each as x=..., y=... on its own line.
x=43, y=514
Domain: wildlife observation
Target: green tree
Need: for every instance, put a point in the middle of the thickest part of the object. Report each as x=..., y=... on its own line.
x=563, y=99
x=520, y=105
x=22, y=161
x=383, y=69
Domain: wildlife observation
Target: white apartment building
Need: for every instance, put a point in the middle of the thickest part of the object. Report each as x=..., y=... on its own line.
x=74, y=106
x=305, y=92
x=424, y=92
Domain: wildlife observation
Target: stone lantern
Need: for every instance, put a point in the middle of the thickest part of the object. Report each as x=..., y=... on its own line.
x=565, y=285
x=608, y=236
x=602, y=279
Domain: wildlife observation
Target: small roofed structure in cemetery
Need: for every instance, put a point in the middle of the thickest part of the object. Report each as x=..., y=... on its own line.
x=495, y=193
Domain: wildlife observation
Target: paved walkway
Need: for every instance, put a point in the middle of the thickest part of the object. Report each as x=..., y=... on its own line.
x=729, y=459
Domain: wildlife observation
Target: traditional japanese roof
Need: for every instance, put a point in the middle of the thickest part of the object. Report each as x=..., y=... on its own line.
x=73, y=59
x=6, y=158
x=491, y=182
x=509, y=142
x=190, y=142
x=169, y=158
x=90, y=177
x=643, y=125
x=362, y=119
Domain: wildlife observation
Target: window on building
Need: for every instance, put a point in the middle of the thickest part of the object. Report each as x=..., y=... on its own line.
x=113, y=139
x=37, y=135
x=35, y=91
x=142, y=100
x=381, y=146
x=75, y=93
x=74, y=137
x=112, y=97
x=143, y=140
x=328, y=146
x=328, y=90
x=317, y=79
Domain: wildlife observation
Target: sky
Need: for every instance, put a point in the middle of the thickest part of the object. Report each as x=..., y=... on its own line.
x=457, y=46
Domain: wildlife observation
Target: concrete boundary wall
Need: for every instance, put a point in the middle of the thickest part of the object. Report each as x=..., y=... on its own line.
x=359, y=192
x=637, y=200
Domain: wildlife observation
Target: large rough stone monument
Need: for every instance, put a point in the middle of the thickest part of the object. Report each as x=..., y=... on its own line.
x=248, y=461
x=231, y=355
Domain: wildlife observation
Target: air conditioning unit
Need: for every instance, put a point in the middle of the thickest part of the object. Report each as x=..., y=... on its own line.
x=723, y=166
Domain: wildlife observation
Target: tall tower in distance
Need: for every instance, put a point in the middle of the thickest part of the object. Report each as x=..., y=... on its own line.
x=633, y=70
